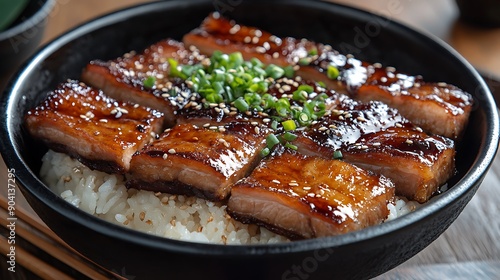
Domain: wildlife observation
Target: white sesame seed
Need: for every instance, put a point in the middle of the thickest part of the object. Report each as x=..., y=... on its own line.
x=171, y=151
x=276, y=181
x=361, y=119
x=165, y=156
x=409, y=142
x=257, y=130
x=266, y=120
x=276, y=55
x=442, y=84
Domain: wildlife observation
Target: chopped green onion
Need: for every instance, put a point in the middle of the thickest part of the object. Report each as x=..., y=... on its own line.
x=289, y=72
x=332, y=72
x=337, y=154
x=265, y=152
x=321, y=84
x=304, y=61
x=313, y=51
x=149, y=82
x=289, y=125
x=241, y=104
x=274, y=71
x=288, y=136
x=274, y=125
x=174, y=71
x=291, y=146
x=271, y=141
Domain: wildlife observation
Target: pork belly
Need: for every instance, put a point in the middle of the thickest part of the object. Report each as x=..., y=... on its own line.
x=97, y=130
x=304, y=197
x=125, y=78
x=376, y=138
x=438, y=108
x=201, y=161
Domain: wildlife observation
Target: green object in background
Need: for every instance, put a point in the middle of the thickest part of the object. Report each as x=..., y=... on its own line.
x=10, y=11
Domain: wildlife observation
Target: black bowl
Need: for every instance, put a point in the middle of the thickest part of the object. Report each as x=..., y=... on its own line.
x=356, y=255
x=23, y=36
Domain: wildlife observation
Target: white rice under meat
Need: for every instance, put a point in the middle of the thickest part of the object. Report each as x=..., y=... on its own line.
x=173, y=216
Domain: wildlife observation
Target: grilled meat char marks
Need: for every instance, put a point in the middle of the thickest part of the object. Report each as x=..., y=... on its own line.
x=376, y=138
x=196, y=160
x=437, y=107
x=95, y=129
x=123, y=78
x=305, y=197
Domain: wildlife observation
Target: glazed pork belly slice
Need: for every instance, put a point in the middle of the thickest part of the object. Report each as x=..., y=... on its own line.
x=376, y=138
x=124, y=78
x=438, y=108
x=88, y=125
x=199, y=161
x=302, y=196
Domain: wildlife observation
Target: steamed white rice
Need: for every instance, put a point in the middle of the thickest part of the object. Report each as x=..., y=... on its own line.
x=173, y=216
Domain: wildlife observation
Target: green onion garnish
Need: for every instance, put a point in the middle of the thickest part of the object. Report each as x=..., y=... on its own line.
x=332, y=72
x=291, y=146
x=149, y=82
x=271, y=141
x=265, y=152
x=337, y=154
x=241, y=104
x=288, y=136
x=289, y=125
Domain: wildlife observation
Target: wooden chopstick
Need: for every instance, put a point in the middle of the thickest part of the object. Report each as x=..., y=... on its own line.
x=67, y=255
x=32, y=263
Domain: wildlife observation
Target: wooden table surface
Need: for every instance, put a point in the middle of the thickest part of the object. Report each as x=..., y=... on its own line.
x=470, y=248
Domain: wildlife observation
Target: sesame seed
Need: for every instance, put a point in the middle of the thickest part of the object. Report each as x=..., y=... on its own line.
x=311, y=194
x=196, y=138
x=390, y=69
x=322, y=128
x=399, y=125
x=341, y=118
x=306, y=188
x=255, y=40
x=213, y=127
x=364, y=147
x=276, y=55
x=136, y=106
x=165, y=156
x=361, y=119
x=332, y=126
x=409, y=142
x=286, y=88
x=376, y=144
x=171, y=151
x=103, y=120
x=257, y=130
x=419, y=129
x=442, y=84
x=377, y=65
x=206, y=125
x=266, y=120
x=260, y=49
x=222, y=129
x=276, y=181
x=217, y=109
x=114, y=111
x=293, y=184
x=254, y=123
